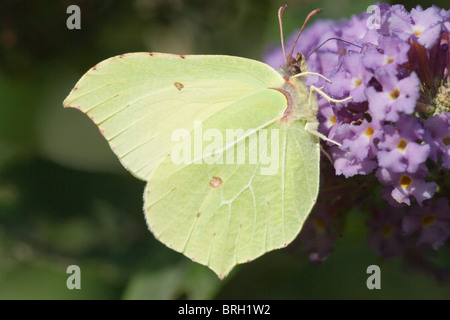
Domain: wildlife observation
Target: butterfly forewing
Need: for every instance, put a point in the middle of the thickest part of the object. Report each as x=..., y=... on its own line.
x=138, y=100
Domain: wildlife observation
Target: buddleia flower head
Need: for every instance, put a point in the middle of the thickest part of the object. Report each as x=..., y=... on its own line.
x=396, y=127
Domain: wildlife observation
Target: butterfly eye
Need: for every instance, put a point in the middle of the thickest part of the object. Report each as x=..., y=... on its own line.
x=295, y=69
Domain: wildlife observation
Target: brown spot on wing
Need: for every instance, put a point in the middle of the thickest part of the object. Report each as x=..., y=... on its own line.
x=215, y=182
x=178, y=85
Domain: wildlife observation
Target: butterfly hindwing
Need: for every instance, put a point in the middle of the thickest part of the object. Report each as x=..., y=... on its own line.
x=223, y=214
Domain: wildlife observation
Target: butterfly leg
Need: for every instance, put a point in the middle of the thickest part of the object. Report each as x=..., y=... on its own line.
x=326, y=154
x=319, y=91
x=312, y=127
x=303, y=74
x=327, y=97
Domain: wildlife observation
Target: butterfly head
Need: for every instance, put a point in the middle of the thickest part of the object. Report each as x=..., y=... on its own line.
x=294, y=65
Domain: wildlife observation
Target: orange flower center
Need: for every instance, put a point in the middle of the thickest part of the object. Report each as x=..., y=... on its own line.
x=402, y=144
x=369, y=132
x=333, y=119
x=405, y=181
x=395, y=94
x=428, y=220
x=446, y=141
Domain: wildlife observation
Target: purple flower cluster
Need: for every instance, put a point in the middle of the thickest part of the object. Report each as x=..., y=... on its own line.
x=395, y=65
x=393, y=231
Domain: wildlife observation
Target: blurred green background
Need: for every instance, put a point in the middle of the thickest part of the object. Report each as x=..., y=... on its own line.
x=65, y=199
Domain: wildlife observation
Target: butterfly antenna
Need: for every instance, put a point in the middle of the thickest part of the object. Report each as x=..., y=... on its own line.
x=280, y=22
x=310, y=15
x=317, y=48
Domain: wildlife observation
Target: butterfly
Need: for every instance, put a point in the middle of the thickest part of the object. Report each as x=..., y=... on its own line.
x=229, y=147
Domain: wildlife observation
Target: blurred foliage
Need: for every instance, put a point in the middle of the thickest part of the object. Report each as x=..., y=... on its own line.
x=65, y=199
